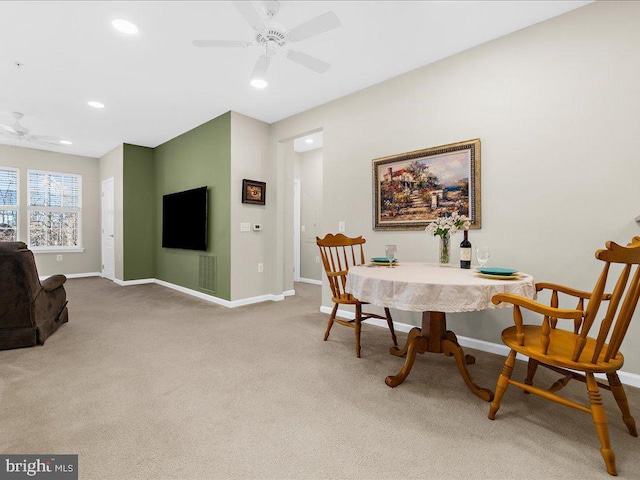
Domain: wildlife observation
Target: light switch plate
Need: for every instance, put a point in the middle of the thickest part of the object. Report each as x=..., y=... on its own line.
x=245, y=227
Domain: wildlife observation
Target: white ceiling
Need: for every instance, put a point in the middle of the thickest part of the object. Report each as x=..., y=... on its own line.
x=157, y=85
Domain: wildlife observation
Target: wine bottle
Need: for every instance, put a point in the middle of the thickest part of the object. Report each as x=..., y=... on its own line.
x=465, y=251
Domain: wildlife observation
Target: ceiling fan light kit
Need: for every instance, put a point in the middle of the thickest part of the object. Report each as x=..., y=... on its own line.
x=259, y=74
x=274, y=37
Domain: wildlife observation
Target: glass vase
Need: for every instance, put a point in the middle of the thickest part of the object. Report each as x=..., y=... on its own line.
x=445, y=249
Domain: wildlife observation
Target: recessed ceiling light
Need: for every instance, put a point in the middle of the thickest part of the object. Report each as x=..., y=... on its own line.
x=95, y=104
x=65, y=142
x=309, y=140
x=259, y=83
x=124, y=26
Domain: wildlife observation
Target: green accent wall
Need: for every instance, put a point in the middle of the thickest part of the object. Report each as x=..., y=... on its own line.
x=139, y=213
x=199, y=157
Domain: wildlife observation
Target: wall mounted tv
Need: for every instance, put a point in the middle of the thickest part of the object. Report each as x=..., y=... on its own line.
x=184, y=219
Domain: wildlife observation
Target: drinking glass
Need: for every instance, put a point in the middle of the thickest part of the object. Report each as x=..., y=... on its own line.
x=482, y=254
x=390, y=251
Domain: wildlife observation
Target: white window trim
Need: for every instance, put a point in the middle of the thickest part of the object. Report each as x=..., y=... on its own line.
x=17, y=205
x=51, y=249
x=56, y=249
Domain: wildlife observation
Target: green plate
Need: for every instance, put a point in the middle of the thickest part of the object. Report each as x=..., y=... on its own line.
x=382, y=260
x=497, y=271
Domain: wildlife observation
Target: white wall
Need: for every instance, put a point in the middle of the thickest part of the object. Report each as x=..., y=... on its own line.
x=308, y=169
x=556, y=107
x=250, y=160
x=31, y=159
x=112, y=166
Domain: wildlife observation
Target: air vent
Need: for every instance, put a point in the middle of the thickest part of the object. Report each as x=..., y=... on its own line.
x=208, y=268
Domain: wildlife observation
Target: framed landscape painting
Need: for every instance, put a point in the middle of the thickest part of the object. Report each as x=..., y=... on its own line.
x=413, y=189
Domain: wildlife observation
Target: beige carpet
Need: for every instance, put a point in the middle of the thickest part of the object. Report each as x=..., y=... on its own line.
x=147, y=383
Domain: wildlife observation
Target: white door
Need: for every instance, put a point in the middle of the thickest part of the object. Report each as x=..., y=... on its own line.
x=108, y=230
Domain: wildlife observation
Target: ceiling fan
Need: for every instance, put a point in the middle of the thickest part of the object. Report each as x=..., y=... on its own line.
x=18, y=132
x=273, y=37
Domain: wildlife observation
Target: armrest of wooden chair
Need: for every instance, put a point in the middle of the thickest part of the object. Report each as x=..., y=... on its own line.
x=548, y=312
x=573, y=292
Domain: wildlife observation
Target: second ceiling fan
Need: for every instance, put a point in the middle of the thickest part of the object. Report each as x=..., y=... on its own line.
x=274, y=37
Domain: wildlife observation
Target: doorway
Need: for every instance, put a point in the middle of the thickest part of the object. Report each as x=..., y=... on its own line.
x=307, y=207
x=108, y=230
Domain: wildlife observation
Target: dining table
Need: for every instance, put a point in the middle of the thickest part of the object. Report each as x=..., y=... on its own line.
x=434, y=290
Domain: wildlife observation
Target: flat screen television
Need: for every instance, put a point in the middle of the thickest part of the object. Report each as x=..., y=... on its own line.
x=184, y=219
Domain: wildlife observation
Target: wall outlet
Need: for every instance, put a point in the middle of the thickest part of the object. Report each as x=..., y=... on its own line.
x=257, y=227
x=341, y=227
x=58, y=258
x=260, y=267
x=317, y=259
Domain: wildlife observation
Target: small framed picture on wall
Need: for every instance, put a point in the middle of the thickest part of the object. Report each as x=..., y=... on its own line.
x=253, y=192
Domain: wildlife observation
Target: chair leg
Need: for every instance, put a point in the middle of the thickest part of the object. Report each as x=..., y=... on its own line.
x=621, y=399
x=390, y=323
x=330, y=324
x=532, y=366
x=503, y=383
x=600, y=421
x=358, y=325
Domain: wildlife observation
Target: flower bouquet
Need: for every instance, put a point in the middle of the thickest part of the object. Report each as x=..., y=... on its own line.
x=444, y=227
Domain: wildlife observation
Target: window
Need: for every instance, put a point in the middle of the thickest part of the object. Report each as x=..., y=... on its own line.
x=8, y=204
x=55, y=210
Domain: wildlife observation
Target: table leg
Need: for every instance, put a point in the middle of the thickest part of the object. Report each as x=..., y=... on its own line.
x=416, y=343
x=414, y=332
x=450, y=348
x=434, y=337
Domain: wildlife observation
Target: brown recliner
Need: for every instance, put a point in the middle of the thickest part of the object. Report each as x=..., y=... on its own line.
x=30, y=311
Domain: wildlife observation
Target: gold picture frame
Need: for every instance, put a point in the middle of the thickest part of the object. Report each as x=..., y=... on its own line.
x=412, y=189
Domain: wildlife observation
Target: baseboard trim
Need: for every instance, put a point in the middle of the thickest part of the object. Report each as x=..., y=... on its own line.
x=128, y=283
x=74, y=275
x=221, y=301
x=311, y=281
x=288, y=293
x=627, y=378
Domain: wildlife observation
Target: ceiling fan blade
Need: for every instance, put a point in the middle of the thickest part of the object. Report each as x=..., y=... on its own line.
x=315, y=26
x=221, y=43
x=8, y=129
x=250, y=14
x=44, y=139
x=308, y=61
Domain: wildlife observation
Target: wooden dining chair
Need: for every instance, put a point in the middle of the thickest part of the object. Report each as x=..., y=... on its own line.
x=573, y=353
x=338, y=253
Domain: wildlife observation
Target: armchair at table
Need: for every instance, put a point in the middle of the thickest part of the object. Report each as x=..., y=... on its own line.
x=30, y=311
x=574, y=354
x=338, y=253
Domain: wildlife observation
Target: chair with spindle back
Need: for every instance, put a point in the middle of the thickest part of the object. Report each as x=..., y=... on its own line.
x=568, y=352
x=338, y=253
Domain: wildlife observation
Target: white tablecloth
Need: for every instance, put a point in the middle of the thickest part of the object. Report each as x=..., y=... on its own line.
x=420, y=287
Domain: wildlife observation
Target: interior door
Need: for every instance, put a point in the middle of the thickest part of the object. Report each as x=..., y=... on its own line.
x=108, y=230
